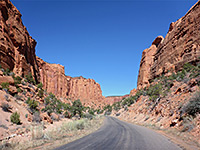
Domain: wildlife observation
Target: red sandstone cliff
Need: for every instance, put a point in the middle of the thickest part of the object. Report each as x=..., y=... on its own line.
x=17, y=48
x=17, y=52
x=54, y=80
x=181, y=45
x=113, y=99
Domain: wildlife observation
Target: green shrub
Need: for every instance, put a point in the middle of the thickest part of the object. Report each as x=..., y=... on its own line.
x=193, y=107
x=19, y=90
x=180, y=75
x=6, y=72
x=40, y=85
x=5, y=85
x=91, y=111
x=116, y=106
x=17, y=80
x=41, y=93
x=26, y=116
x=15, y=118
x=29, y=79
x=77, y=108
x=67, y=114
x=108, y=108
x=172, y=77
x=33, y=105
x=52, y=104
x=129, y=101
x=154, y=91
x=99, y=111
x=188, y=67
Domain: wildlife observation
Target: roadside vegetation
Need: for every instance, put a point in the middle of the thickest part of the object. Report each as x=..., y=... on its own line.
x=83, y=115
x=160, y=87
x=26, y=91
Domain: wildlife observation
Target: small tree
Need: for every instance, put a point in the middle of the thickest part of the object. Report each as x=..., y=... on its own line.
x=33, y=105
x=17, y=80
x=5, y=85
x=154, y=91
x=15, y=118
x=29, y=79
x=40, y=85
x=77, y=108
x=41, y=93
x=6, y=72
x=193, y=106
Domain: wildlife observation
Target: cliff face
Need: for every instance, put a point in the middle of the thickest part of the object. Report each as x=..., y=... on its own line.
x=113, y=99
x=181, y=45
x=147, y=62
x=17, y=48
x=17, y=52
x=54, y=80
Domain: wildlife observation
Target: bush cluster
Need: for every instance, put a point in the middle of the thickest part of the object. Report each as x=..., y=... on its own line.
x=52, y=104
x=154, y=91
x=29, y=79
x=6, y=72
x=15, y=118
x=5, y=85
x=33, y=105
x=193, y=106
x=161, y=88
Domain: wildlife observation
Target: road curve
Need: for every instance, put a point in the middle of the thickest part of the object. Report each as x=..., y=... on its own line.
x=119, y=135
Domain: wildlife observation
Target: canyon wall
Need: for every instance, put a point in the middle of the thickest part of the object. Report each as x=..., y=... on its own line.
x=113, y=99
x=181, y=45
x=17, y=53
x=17, y=47
x=54, y=80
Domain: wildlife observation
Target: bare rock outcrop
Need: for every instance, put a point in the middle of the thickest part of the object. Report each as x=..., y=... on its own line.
x=133, y=92
x=113, y=99
x=147, y=62
x=181, y=45
x=54, y=80
x=17, y=53
x=17, y=47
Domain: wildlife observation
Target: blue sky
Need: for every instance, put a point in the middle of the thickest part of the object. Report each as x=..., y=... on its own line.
x=99, y=39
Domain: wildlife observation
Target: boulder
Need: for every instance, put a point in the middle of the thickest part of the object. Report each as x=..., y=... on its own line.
x=8, y=79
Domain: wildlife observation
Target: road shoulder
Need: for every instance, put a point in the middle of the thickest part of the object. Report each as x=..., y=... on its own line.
x=184, y=144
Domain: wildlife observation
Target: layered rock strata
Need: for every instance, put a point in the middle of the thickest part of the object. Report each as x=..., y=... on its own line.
x=54, y=80
x=17, y=47
x=17, y=53
x=181, y=45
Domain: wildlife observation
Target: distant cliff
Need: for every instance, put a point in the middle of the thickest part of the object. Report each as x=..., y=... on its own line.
x=181, y=45
x=17, y=53
x=54, y=80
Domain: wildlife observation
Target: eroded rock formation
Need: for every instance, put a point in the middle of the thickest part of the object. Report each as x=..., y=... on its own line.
x=147, y=62
x=17, y=47
x=181, y=45
x=113, y=99
x=17, y=53
x=54, y=80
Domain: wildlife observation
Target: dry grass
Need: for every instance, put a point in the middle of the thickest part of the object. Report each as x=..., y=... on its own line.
x=50, y=138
